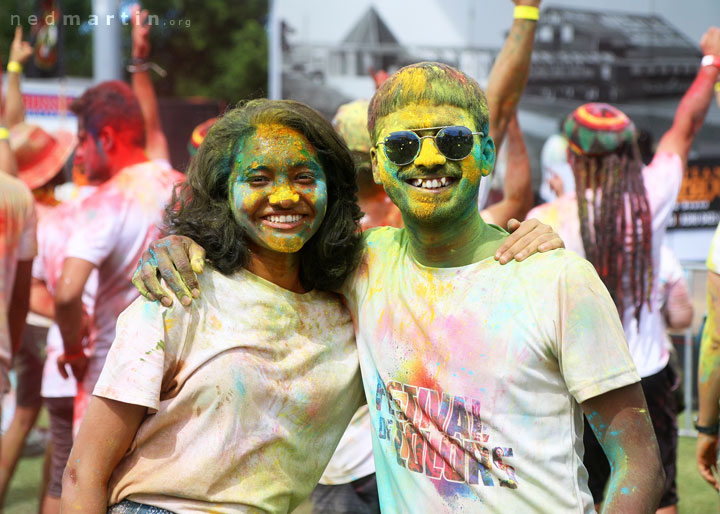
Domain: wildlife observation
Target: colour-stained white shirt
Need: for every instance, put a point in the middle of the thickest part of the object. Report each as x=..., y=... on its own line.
x=662, y=178
x=116, y=224
x=249, y=391
x=55, y=227
x=713, y=260
x=17, y=243
x=474, y=375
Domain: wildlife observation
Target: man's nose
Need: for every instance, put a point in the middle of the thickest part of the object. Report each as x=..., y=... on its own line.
x=429, y=156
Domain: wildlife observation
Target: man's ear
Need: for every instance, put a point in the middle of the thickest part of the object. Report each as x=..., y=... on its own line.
x=373, y=160
x=107, y=138
x=488, y=156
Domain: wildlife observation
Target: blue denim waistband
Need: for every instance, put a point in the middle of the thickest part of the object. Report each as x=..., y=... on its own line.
x=131, y=507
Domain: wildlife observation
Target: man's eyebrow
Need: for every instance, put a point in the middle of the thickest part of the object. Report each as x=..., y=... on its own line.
x=436, y=127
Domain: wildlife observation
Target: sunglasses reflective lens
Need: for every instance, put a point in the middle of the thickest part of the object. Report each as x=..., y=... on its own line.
x=455, y=143
x=402, y=147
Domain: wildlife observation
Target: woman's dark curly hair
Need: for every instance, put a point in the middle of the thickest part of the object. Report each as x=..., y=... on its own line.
x=200, y=208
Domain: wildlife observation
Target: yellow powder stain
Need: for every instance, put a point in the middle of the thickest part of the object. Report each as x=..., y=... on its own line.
x=215, y=323
x=169, y=323
x=413, y=81
x=284, y=193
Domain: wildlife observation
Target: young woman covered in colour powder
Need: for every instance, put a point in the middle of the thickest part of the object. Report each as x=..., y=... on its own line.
x=236, y=402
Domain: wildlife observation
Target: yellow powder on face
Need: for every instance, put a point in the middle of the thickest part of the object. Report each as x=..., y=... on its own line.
x=283, y=193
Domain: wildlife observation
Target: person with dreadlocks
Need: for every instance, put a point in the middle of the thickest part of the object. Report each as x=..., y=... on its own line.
x=616, y=218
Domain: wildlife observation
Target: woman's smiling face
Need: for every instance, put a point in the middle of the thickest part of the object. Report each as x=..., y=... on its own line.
x=278, y=189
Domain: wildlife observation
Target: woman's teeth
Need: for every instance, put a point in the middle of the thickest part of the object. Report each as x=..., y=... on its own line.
x=285, y=218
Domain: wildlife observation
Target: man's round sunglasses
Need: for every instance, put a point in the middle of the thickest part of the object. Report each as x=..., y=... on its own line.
x=455, y=143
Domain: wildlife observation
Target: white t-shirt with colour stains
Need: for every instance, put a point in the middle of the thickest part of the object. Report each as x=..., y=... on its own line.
x=473, y=376
x=114, y=226
x=55, y=226
x=662, y=178
x=249, y=391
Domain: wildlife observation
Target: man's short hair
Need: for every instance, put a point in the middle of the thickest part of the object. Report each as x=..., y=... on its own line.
x=112, y=104
x=431, y=82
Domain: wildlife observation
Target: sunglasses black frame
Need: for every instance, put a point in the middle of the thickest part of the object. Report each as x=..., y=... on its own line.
x=433, y=137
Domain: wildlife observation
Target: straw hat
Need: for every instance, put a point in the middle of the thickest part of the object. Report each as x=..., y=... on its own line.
x=40, y=155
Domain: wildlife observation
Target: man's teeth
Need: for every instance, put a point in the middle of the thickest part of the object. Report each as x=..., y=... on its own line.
x=285, y=218
x=430, y=183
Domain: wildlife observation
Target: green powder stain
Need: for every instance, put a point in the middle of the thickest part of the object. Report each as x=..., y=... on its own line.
x=159, y=346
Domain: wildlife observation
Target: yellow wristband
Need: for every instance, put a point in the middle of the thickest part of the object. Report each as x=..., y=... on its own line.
x=717, y=87
x=14, y=67
x=4, y=134
x=526, y=12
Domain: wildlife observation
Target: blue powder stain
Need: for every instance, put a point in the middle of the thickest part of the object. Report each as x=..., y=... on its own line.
x=625, y=490
x=149, y=309
x=240, y=387
x=614, y=433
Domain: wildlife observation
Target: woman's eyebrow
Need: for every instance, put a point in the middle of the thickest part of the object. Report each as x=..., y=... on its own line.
x=305, y=163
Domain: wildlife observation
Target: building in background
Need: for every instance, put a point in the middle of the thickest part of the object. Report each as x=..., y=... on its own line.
x=610, y=56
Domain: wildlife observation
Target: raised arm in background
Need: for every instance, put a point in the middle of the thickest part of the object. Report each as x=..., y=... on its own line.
x=8, y=164
x=509, y=73
x=156, y=145
x=20, y=52
x=517, y=188
x=694, y=105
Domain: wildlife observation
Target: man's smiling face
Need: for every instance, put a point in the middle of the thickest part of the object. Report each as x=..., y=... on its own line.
x=432, y=189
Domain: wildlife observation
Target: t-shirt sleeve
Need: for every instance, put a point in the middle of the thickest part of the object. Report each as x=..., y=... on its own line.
x=592, y=350
x=97, y=226
x=713, y=261
x=149, y=338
